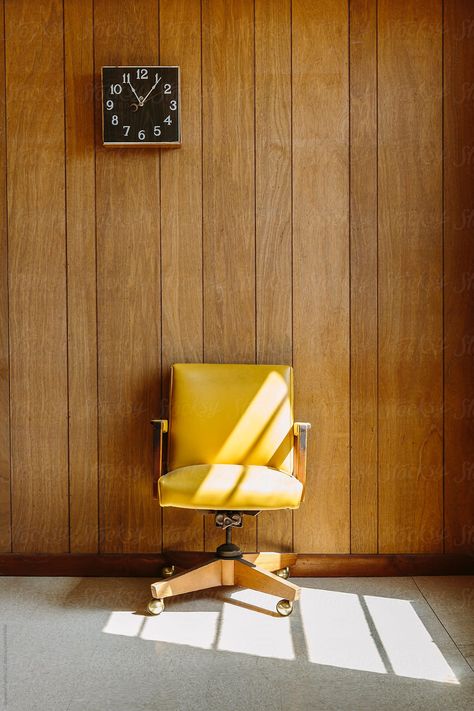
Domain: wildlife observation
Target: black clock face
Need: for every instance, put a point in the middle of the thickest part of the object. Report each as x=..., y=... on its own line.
x=140, y=106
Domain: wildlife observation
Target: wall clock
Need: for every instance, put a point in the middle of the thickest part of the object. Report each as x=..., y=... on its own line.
x=140, y=106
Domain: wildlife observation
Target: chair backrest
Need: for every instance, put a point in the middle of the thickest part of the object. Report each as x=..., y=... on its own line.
x=231, y=414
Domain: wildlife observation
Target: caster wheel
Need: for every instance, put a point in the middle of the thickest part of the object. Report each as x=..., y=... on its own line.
x=284, y=608
x=167, y=571
x=283, y=573
x=156, y=606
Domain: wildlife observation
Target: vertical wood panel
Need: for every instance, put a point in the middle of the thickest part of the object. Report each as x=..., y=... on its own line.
x=37, y=275
x=128, y=254
x=410, y=276
x=273, y=213
x=266, y=152
x=5, y=530
x=228, y=195
x=459, y=275
x=321, y=267
x=81, y=274
x=363, y=191
x=181, y=230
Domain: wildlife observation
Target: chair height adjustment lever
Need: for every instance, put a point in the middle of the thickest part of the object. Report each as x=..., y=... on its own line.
x=225, y=519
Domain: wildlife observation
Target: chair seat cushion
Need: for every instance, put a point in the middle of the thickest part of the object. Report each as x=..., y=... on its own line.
x=233, y=487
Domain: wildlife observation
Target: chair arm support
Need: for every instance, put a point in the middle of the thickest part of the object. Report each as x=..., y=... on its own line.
x=300, y=430
x=160, y=427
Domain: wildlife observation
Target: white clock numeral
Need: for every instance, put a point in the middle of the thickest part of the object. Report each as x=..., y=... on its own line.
x=157, y=78
x=109, y=104
x=157, y=130
x=115, y=89
x=173, y=105
x=126, y=78
x=142, y=73
x=167, y=88
x=115, y=120
x=126, y=130
x=168, y=120
x=141, y=135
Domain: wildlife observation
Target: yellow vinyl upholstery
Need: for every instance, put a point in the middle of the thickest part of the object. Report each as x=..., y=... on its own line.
x=230, y=438
x=233, y=487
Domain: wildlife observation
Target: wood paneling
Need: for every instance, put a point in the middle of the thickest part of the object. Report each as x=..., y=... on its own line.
x=5, y=527
x=129, y=294
x=273, y=213
x=228, y=195
x=181, y=231
x=459, y=275
x=301, y=219
x=410, y=276
x=321, y=267
x=364, y=253
x=81, y=276
x=37, y=275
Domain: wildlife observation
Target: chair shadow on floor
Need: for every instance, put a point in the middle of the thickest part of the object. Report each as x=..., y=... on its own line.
x=133, y=594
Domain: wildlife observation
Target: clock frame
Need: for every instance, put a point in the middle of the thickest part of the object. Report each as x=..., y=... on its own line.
x=141, y=106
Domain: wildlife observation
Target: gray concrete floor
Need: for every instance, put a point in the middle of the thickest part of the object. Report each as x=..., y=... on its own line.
x=77, y=644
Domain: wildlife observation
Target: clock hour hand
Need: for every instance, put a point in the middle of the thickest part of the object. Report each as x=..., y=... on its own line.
x=136, y=95
x=146, y=97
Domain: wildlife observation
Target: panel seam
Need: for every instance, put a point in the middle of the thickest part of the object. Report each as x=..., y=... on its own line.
x=349, y=151
x=292, y=297
x=377, y=456
x=256, y=351
x=161, y=408
x=7, y=259
x=99, y=541
x=443, y=323
x=66, y=269
x=202, y=233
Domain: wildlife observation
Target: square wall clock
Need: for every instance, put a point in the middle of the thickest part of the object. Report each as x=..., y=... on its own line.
x=141, y=106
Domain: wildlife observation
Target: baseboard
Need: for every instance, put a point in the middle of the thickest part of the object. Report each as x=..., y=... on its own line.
x=358, y=565
x=307, y=565
x=82, y=564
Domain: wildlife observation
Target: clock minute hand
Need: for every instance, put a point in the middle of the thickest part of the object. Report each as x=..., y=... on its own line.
x=146, y=97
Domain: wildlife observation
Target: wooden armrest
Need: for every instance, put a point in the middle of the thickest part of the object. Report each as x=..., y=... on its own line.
x=160, y=427
x=300, y=430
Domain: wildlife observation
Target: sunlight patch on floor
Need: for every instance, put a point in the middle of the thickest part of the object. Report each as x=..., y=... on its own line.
x=253, y=632
x=406, y=640
x=125, y=623
x=336, y=631
x=344, y=630
x=194, y=629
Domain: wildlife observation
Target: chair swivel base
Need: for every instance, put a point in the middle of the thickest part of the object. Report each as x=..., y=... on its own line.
x=233, y=571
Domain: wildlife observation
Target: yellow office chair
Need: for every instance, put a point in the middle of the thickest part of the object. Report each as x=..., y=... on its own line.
x=233, y=448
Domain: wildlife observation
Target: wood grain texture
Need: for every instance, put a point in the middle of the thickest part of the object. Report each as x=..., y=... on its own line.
x=356, y=565
x=181, y=231
x=273, y=213
x=128, y=254
x=321, y=267
x=410, y=276
x=228, y=195
x=37, y=275
x=200, y=578
x=248, y=576
x=5, y=513
x=363, y=309
x=282, y=161
x=81, y=276
x=459, y=275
